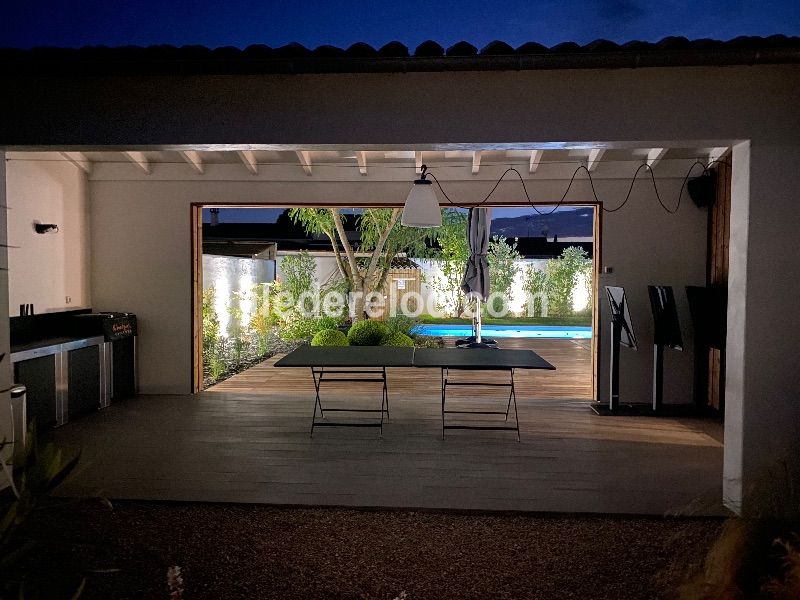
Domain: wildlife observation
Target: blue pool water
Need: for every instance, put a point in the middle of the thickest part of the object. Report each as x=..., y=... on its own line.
x=507, y=331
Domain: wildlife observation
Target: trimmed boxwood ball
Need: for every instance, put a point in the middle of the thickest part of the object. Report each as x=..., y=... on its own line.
x=330, y=337
x=397, y=338
x=367, y=333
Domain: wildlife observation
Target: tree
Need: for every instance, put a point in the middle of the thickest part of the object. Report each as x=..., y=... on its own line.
x=535, y=284
x=503, y=269
x=299, y=274
x=451, y=257
x=382, y=239
x=562, y=277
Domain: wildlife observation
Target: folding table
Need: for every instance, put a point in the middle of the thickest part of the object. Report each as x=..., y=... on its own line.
x=479, y=359
x=369, y=363
x=334, y=364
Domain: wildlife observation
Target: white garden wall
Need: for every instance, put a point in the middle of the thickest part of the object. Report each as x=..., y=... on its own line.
x=230, y=275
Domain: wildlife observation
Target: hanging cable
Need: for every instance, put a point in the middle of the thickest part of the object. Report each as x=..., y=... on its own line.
x=667, y=209
x=705, y=170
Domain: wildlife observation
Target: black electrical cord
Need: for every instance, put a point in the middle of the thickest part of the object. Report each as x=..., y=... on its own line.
x=671, y=211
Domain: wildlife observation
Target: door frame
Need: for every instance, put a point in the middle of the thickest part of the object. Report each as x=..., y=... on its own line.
x=196, y=220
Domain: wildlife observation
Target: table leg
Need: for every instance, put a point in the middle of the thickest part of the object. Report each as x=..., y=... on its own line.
x=318, y=374
x=444, y=388
x=386, y=394
x=514, y=396
x=384, y=401
x=510, y=394
x=317, y=383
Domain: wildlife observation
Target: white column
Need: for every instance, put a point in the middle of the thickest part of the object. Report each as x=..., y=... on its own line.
x=762, y=397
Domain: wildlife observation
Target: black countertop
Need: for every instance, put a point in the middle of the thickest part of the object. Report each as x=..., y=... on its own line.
x=48, y=342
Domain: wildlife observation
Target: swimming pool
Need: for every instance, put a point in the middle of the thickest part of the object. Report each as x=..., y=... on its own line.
x=508, y=331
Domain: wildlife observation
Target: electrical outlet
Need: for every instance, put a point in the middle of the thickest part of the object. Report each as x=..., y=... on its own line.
x=69, y=299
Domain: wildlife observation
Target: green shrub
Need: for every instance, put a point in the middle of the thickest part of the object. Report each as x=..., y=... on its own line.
x=428, y=341
x=330, y=337
x=295, y=326
x=397, y=338
x=367, y=333
x=326, y=323
x=401, y=323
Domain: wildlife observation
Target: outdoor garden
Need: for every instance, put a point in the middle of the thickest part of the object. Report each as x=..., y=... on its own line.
x=245, y=326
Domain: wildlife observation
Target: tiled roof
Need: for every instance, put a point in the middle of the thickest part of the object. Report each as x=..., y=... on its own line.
x=394, y=57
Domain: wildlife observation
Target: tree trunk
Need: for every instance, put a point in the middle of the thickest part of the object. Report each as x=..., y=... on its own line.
x=359, y=300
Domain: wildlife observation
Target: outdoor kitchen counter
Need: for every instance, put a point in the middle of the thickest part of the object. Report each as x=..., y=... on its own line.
x=64, y=376
x=52, y=345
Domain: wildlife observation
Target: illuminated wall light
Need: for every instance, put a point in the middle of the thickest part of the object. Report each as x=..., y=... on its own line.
x=246, y=297
x=222, y=294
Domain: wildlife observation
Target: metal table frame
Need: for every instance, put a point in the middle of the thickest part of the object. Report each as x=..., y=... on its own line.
x=512, y=397
x=319, y=375
x=368, y=364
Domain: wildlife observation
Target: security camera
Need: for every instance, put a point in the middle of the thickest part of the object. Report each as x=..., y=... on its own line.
x=45, y=227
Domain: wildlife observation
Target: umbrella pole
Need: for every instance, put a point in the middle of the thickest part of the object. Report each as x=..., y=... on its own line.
x=478, y=323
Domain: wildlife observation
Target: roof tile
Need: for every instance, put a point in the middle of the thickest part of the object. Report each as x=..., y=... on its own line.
x=462, y=48
x=429, y=49
x=394, y=56
x=328, y=51
x=566, y=47
x=394, y=50
x=361, y=50
x=533, y=48
x=497, y=48
x=293, y=50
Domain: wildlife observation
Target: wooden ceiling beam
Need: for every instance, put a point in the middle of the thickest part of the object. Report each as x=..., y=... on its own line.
x=361, y=157
x=476, y=162
x=304, y=156
x=79, y=160
x=654, y=155
x=140, y=160
x=716, y=154
x=193, y=158
x=248, y=158
x=595, y=156
x=536, y=157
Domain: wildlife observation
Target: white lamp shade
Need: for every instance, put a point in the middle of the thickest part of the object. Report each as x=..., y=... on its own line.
x=422, y=207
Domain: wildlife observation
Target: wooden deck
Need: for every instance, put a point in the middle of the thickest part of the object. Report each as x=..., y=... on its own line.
x=571, y=379
x=247, y=441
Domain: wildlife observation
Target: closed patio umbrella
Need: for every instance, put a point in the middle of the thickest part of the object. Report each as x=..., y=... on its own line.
x=476, y=276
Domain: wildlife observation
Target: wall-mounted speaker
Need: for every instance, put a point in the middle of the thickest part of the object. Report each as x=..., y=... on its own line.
x=703, y=189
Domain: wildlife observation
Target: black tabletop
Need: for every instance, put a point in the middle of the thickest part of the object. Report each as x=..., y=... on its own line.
x=348, y=356
x=479, y=358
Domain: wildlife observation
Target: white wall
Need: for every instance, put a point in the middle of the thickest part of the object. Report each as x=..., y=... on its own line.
x=762, y=396
x=640, y=242
x=142, y=264
x=45, y=269
x=326, y=268
x=432, y=272
x=646, y=246
x=648, y=107
x=229, y=275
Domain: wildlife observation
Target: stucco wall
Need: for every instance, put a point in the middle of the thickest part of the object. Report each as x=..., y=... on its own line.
x=640, y=242
x=46, y=269
x=656, y=107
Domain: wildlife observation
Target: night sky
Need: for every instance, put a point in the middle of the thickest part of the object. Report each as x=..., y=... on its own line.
x=314, y=22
